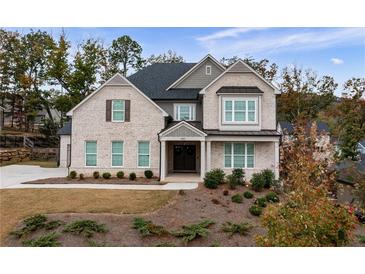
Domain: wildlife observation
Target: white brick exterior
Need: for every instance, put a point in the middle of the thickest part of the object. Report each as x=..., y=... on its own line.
x=89, y=123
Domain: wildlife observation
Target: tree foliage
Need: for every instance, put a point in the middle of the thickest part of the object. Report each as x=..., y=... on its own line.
x=169, y=57
x=307, y=217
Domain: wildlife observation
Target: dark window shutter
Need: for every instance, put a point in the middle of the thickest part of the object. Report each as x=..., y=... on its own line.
x=108, y=110
x=127, y=110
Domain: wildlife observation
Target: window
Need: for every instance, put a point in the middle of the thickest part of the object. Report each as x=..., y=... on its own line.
x=208, y=70
x=143, y=154
x=118, y=110
x=239, y=110
x=239, y=155
x=185, y=112
x=90, y=153
x=117, y=153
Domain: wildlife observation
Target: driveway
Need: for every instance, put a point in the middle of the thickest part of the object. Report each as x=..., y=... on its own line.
x=13, y=175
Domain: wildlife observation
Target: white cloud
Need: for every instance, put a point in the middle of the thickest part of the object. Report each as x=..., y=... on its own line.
x=336, y=61
x=241, y=42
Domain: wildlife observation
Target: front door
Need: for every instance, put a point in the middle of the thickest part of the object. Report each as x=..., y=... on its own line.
x=185, y=158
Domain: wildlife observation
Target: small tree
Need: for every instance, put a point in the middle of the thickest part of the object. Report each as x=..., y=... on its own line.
x=307, y=217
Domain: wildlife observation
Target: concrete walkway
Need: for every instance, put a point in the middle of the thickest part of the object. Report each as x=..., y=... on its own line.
x=14, y=175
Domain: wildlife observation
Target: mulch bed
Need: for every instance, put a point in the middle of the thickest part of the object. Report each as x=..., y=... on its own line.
x=188, y=207
x=111, y=181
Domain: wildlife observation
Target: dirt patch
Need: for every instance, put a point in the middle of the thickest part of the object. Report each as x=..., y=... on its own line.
x=111, y=181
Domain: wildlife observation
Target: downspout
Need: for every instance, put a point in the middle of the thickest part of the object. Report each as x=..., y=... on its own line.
x=159, y=162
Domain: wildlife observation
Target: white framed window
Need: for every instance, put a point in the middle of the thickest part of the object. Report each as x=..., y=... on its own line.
x=239, y=155
x=118, y=110
x=91, y=153
x=184, y=112
x=117, y=153
x=240, y=110
x=208, y=70
x=143, y=154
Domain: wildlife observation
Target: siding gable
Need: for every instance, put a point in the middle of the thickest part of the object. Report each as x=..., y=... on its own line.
x=182, y=131
x=198, y=78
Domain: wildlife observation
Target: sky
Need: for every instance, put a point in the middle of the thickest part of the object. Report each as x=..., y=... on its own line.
x=338, y=52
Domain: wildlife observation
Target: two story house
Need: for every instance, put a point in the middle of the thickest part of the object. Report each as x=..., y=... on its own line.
x=176, y=118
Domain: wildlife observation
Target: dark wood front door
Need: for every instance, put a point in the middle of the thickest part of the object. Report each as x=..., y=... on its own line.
x=184, y=158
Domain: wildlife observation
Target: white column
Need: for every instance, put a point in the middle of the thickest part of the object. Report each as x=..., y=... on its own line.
x=202, y=159
x=163, y=160
x=209, y=156
x=277, y=159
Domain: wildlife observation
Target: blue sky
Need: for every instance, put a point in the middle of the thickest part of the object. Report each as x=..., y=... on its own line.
x=339, y=52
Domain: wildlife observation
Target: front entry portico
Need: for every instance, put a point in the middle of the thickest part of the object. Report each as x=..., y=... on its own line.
x=182, y=151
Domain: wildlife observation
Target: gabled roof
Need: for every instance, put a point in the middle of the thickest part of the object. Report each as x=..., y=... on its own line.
x=117, y=80
x=189, y=72
x=241, y=67
x=288, y=127
x=154, y=80
x=66, y=129
x=189, y=126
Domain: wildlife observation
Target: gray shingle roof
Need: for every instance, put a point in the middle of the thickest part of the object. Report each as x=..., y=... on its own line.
x=263, y=132
x=66, y=129
x=239, y=89
x=288, y=127
x=155, y=79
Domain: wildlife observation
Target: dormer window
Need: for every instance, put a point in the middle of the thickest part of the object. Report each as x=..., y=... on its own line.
x=184, y=112
x=208, y=70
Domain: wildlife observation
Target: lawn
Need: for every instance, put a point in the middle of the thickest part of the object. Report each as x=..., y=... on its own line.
x=16, y=204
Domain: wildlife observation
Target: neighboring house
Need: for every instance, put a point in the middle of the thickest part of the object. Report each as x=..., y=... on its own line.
x=1, y=117
x=176, y=118
x=324, y=140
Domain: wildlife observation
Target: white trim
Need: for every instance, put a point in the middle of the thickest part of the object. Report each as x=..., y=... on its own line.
x=117, y=121
x=149, y=153
x=194, y=68
x=111, y=153
x=206, y=70
x=244, y=99
x=91, y=153
x=199, y=132
x=129, y=83
x=243, y=138
x=192, y=111
x=276, y=90
x=244, y=155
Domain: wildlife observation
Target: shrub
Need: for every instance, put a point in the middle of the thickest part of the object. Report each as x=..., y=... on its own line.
x=213, y=178
x=261, y=202
x=232, y=181
x=269, y=177
x=272, y=197
x=215, y=244
x=257, y=182
x=47, y=240
x=165, y=244
x=147, y=228
x=132, y=176
x=86, y=228
x=210, y=183
x=120, y=174
x=193, y=231
x=255, y=210
x=239, y=174
x=240, y=228
x=248, y=195
x=81, y=176
x=96, y=174
x=148, y=174
x=237, y=199
x=53, y=224
x=73, y=174
x=30, y=224
x=106, y=175
x=225, y=192
x=361, y=239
